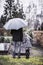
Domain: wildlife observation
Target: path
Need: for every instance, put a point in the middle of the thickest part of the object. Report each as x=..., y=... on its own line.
x=35, y=51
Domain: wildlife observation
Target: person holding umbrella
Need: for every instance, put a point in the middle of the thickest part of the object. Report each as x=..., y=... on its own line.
x=16, y=25
x=17, y=39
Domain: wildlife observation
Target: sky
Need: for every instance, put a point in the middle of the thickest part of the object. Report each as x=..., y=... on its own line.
x=25, y=4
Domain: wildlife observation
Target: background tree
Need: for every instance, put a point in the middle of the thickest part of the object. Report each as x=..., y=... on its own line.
x=12, y=10
x=8, y=7
x=31, y=13
x=18, y=11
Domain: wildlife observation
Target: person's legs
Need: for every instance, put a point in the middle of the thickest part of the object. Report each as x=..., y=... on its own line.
x=14, y=52
x=27, y=53
x=19, y=49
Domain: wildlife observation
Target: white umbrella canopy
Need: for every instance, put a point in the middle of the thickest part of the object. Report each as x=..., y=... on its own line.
x=15, y=23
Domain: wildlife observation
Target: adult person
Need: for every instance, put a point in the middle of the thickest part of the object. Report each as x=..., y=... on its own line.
x=17, y=39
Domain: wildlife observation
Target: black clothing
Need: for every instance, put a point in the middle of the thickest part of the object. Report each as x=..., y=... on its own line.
x=17, y=35
x=27, y=53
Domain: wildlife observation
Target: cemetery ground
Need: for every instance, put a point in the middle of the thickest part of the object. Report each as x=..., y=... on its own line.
x=36, y=58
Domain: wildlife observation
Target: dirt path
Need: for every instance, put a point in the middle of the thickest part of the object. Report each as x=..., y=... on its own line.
x=35, y=51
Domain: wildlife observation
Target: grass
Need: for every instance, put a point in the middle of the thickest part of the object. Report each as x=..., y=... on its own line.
x=7, y=60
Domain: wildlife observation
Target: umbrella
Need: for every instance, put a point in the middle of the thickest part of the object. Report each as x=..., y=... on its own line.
x=15, y=23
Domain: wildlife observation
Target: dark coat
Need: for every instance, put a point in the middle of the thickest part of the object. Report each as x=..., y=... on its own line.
x=17, y=35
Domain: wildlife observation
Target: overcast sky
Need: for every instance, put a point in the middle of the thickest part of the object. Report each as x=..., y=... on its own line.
x=25, y=4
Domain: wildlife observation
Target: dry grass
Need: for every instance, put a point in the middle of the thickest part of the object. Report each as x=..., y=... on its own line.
x=7, y=60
